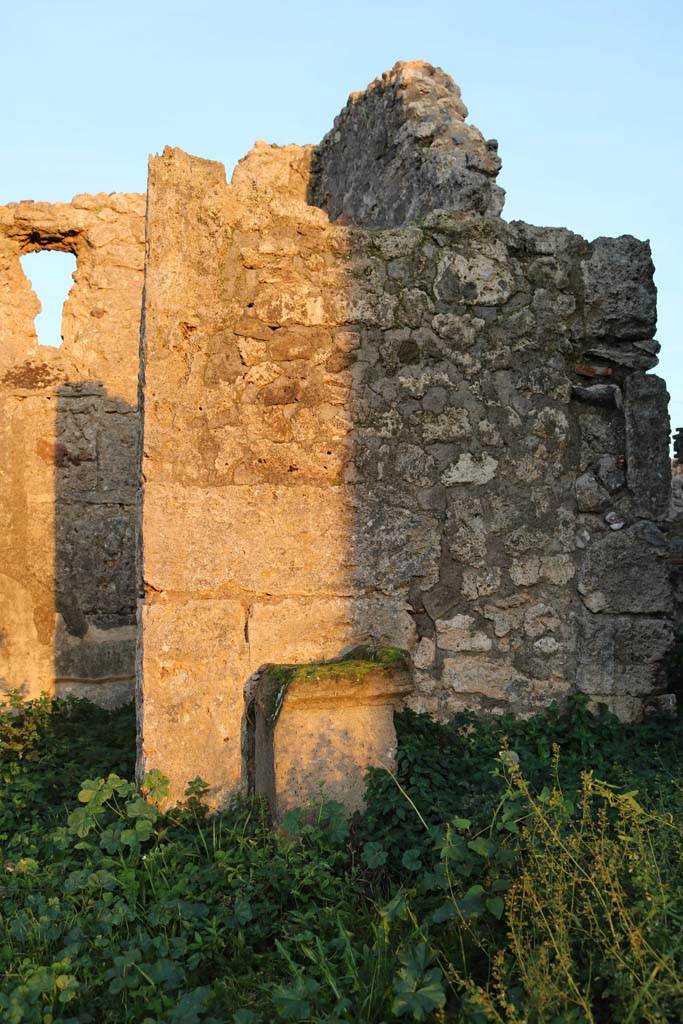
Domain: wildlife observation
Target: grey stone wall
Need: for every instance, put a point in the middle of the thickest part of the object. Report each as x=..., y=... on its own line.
x=401, y=149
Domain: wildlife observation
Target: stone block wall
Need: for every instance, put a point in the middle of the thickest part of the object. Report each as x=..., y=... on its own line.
x=438, y=435
x=68, y=453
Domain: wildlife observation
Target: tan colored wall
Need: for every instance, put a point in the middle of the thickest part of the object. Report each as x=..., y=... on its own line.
x=68, y=473
x=247, y=431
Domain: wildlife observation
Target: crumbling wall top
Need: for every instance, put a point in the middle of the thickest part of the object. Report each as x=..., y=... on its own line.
x=401, y=149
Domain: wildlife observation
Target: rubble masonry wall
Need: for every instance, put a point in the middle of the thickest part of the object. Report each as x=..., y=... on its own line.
x=68, y=453
x=439, y=436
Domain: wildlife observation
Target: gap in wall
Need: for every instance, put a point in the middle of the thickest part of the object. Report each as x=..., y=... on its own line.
x=51, y=277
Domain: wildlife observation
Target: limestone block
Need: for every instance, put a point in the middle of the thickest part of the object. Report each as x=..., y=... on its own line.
x=647, y=444
x=111, y=693
x=626, y=709
x=470, y=469
x=191, y=677
x=482, y=674
x=480, y=583
x=621, y=655
x=278, y=540
x=423, y=657
x=627, y=571
x=99, y=656
x=317, y=728
x=590, y=495
x=476, y=280
x=118, y=450
x=610, y=473
x=466, y=531
x=636, y=355
x=95, y=561
x=319, y=628
x=390, y=547
x=459, y=634
x=621, y=299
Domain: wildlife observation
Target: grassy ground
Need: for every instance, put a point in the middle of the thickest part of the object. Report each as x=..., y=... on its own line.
x=510, y=872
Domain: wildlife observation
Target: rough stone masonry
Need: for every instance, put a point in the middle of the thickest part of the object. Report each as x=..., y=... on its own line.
x=374, y=412
x=69, y=429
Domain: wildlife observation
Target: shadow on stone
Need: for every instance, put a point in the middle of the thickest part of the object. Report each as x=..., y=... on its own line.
x=95, y=468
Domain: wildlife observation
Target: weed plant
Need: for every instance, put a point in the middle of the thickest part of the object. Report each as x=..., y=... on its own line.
x=508, y=872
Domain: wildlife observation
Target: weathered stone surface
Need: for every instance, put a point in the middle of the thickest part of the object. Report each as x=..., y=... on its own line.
x=459, y=633
x=591, y=496
x=647, y=444
x=620, y=655
x=317, y=729
x=110, y=694
x=627, y=572
x=401, y=149
x=636, y=355
x=99, y=657
x=609, y=472
x=383, y=436
x=190, y=694
x=600, y=394
x=320, y=628
x=480, y=674
x=470, y=470
x=69, y=430
x=620, y=296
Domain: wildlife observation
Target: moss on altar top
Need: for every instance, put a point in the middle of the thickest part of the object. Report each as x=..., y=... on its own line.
x=352, y=667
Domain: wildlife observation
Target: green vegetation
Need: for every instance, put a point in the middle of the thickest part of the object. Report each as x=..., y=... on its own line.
x=511, y=872
x=353, y=667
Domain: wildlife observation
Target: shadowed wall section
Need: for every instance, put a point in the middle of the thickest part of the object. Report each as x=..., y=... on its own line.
x=431, y=435
x=68, y=453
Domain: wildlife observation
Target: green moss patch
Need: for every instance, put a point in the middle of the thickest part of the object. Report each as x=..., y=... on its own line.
x=352, y=667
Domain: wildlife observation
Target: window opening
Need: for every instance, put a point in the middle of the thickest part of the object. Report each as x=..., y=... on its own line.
x=50, y=274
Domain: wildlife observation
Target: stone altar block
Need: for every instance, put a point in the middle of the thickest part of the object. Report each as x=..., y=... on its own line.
x=325, y=723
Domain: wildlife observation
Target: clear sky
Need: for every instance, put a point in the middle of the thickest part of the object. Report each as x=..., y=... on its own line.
x=585, y=99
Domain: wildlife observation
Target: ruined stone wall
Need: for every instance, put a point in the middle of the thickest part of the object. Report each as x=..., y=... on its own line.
x=439, y=436
x=403, y=148
x=68, y=459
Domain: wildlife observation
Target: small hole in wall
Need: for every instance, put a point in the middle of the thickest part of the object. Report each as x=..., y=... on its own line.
x=50, y=274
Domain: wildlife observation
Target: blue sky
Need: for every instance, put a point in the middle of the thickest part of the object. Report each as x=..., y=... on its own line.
x=584, y=98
